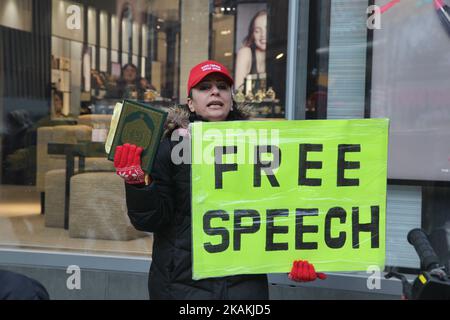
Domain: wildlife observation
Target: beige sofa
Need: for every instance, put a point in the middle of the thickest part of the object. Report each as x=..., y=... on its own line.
x=46, y=163
x=92, y=120
x=98, y=209
x=70, y=134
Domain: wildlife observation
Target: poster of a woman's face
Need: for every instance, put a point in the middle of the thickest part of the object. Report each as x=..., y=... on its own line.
x=257, y=31
x=251, y=42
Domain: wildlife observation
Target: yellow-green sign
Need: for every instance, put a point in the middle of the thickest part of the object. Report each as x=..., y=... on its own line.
x=266, y=193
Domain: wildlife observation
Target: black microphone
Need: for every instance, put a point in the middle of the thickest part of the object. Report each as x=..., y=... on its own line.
x=444, y=13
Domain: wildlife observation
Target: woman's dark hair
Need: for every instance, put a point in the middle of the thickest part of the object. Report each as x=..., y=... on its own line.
x=121, y=83
x=249, y=40
x=129, y=65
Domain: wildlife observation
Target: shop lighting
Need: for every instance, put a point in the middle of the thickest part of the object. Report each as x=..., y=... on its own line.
x=278, y=57
x=225, y=32
x=227, y=54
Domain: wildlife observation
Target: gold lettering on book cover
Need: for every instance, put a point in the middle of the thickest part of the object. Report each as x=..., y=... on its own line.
x=137, y=132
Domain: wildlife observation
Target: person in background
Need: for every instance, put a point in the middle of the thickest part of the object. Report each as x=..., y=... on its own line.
x=58, y=106
x=128, y=86
x=251, y=58
x=58, y=99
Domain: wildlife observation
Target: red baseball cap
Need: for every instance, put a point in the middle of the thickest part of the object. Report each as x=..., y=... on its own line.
x=200, y=71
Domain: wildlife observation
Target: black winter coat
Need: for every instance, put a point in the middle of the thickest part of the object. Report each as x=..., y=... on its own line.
x=164, y=208
x=15, y=286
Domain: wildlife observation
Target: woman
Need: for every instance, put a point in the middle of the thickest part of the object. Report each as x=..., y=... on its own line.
x=128, y=86
x=164, y=206
x=58, y=104
x=251, y=58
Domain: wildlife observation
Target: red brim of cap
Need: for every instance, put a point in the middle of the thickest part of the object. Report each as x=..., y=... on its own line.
x=203, y=76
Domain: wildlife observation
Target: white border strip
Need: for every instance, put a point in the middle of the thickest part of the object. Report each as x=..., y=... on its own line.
x=84, y=261
x=291, y=59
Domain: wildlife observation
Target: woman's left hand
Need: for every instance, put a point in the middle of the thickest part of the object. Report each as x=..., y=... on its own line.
x=303, y=271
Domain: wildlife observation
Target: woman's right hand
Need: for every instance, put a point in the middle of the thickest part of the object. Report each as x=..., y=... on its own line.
x=127, y=161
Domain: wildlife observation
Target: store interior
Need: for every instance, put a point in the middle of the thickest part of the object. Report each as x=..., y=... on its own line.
x=23, y=226
x=65, y=65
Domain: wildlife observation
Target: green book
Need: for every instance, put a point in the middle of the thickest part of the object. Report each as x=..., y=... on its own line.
x=139, y=124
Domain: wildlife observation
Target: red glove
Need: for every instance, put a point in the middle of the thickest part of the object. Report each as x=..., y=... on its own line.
x=303, y=271
x=127, y=161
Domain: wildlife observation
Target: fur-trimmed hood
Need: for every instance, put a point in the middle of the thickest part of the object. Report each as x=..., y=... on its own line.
x=180, y=116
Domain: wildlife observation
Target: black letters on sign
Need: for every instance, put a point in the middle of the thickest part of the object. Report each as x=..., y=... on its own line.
x=335, y=213
x=272, y=229
x=239, y=229
x=266, y=166
x=304, y=165
x=343, y=165
x=373, y=227
x=223, y=232
x=301, y=229
x=219, y=167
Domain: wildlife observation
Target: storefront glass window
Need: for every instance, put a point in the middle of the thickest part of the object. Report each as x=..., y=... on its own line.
x=380, y=59
x=64, y=65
